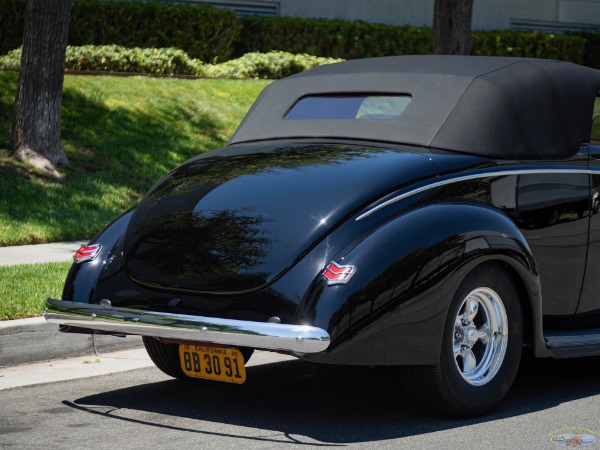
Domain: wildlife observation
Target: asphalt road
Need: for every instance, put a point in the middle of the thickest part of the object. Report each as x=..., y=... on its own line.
x=287, y=403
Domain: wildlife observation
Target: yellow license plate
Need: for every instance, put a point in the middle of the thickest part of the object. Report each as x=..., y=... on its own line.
x=212, y=363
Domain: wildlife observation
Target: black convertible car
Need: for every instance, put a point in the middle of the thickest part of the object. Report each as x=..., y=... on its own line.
x=433, y=213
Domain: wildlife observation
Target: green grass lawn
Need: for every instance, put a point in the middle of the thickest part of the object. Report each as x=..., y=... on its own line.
x=25, y=288
x=120, y=135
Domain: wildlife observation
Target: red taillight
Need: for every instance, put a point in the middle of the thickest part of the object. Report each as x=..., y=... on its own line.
x=87, y=253
x=337, y=274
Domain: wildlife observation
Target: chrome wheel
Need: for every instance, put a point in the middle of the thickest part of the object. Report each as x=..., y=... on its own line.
x=480, y=336
x=478, y=362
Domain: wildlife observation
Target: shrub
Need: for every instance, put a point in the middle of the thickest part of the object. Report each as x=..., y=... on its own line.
x=12, y=60
x=172, y=61
x=12, y=18
x=331, y=38
x=204, y=32
x=115, y=58
x=215, y=35
x=351, y=40
x=529, y=45
x=270, y=65
x=591, y=55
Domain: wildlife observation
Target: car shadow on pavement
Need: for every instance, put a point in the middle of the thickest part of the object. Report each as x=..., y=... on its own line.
x=326, y=405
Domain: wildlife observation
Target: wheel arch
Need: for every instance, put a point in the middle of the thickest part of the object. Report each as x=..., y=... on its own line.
x=409, y=283
x=481, y=348
x=529, y=297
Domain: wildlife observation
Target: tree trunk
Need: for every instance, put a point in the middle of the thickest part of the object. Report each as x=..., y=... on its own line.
x=36, y=121
x=452, y=27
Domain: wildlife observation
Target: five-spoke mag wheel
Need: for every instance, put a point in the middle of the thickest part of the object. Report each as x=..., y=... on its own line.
x=480, y=336
x=480, y=349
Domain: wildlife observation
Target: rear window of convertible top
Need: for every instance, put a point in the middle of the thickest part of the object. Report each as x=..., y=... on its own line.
x=365, y=107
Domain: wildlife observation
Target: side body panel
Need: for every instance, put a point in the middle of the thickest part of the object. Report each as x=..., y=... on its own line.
x=588, y=311
x=394, y=310
x=531, y=217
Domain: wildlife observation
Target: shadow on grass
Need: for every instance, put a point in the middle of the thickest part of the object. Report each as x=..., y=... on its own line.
x=330, y=404
x=116, y=154
x=132, y=148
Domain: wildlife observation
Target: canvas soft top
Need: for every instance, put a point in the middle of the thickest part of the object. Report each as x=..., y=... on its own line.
x=516, y=108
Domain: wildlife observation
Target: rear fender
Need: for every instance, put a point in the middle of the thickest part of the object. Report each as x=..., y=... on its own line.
x=393, y=310
x=82, y=278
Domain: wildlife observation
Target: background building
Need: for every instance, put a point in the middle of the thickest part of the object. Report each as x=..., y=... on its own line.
x=547, y=15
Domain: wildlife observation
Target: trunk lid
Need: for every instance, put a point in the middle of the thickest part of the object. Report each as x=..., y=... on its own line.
x=233, y=220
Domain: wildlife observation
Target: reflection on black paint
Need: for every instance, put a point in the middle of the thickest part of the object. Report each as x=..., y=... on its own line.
x=588, y=310
x=413, y=275
x=536, y=201
x=214, y=171
x=224, y=247
x=232, y=221
x=206, y=228
x=547, y=199
x=552, y=211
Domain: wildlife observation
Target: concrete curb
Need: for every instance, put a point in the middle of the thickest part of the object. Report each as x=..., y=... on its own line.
x=32, y=340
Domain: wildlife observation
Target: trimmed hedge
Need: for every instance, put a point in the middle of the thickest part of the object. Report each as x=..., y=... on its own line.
x=212, y=34
x=12, y=18
x=114, y=58
x=270, y=65
x=172, y=61
x=567, y=47
x=204, y=32
x=351, y=40
x=591, y=54
x=332, y=38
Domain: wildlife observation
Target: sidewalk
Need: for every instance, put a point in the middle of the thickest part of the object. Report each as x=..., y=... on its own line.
x=31, y=340
x=73, y=368
x=32, y=254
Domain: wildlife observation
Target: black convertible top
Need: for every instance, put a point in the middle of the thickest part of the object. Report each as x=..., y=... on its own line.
x=502, y=107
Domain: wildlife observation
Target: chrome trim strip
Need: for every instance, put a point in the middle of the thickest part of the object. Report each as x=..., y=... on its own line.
x=468, y=178
x=262, y=335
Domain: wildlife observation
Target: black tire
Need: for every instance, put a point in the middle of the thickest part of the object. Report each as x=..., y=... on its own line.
x=247, y=353
x=166, y=357
x=474, y=380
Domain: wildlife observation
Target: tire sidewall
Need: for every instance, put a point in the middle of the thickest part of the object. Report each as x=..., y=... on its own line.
x=479, y=399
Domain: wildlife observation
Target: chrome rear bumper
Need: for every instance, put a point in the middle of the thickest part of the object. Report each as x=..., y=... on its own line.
x=262, y=335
